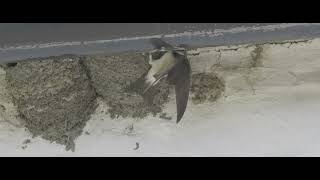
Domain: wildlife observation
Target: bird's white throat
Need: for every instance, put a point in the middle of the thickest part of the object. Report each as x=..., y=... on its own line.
x=160, y=66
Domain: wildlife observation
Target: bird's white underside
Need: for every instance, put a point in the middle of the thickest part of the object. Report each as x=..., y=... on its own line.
x=158, y=66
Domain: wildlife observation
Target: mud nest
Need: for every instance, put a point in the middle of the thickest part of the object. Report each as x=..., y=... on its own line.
x=206, y=87
x=118, y=79
x=53, y=96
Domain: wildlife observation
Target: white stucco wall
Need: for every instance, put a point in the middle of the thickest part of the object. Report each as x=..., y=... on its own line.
x=269, y=110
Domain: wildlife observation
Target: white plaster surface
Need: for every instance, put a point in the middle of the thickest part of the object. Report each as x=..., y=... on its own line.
x=269, y=110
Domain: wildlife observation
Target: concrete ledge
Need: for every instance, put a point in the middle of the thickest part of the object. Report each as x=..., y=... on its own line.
x=133, y=37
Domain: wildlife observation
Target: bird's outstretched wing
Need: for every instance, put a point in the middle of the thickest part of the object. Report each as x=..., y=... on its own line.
x=180, y=77
x=159, y=43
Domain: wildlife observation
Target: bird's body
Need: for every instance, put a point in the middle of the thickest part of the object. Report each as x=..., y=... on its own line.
x=174, y=66
x=159, y=68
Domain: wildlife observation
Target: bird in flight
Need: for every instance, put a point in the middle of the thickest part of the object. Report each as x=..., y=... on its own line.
x=171, y=63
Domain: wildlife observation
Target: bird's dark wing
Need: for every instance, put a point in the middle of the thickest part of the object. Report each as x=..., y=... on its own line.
x=180, y=77
x=159, y=43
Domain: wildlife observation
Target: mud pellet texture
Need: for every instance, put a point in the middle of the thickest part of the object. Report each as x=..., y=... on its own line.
x=118, y=79
x=206, y=87
x=54, y=96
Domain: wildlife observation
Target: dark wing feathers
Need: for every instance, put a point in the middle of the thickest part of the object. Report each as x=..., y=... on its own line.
x=180, y=77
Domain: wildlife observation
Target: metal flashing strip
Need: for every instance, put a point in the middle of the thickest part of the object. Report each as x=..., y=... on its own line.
x=199, y=38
